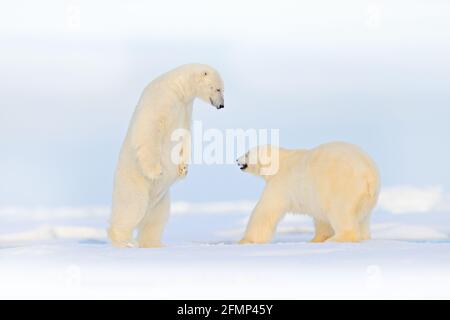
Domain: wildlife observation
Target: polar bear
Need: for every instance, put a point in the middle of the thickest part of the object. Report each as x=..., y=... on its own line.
x=336, y=183
x=146, y=167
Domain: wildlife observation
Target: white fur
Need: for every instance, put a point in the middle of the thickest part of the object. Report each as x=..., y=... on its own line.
x=145, y=169
x=336, y=183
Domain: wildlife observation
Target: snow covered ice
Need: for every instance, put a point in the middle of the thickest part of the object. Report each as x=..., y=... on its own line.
x=64, y=253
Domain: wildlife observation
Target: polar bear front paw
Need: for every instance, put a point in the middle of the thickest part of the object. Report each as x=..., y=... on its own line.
x=244, y=241
x=182, y=170
x=154, y=172
x=252, y=241
x=260, y=238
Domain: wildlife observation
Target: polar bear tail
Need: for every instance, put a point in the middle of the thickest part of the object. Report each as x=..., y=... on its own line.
x=370, y=197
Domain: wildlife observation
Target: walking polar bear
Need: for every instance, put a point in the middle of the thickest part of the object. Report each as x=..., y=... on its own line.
x=336, y=183
x=146, y=168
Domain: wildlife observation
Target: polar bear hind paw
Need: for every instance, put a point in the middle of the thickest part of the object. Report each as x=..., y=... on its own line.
x=120, y=238
x=349, y=236
x=319, y=239
x=151, y=245
x=124, y=244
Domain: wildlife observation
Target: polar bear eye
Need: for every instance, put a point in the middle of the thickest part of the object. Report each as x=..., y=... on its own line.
x=205, y=73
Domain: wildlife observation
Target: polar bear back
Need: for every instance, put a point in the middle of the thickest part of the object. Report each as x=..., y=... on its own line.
x=335, y=174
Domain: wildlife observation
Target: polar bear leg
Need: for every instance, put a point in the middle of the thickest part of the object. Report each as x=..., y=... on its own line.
x=346, y=229
x=152, y=226
x=323, y=231
x=264, y=219
x=129, y=205
x=345, y=222
x=365, y=228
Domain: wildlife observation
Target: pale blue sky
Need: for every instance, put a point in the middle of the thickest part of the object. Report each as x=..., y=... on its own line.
x=375, y=73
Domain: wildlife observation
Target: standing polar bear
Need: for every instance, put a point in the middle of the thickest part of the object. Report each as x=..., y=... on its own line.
x=146, y=168
x=336, y=183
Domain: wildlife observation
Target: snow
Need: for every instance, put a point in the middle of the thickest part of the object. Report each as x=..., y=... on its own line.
x=63, y=253
x=407, y=199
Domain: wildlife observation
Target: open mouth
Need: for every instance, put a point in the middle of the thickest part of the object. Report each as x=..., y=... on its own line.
x=243, y=166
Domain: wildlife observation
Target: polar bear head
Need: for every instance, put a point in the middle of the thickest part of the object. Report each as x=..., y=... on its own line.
x=261, y=161
x=209, y=85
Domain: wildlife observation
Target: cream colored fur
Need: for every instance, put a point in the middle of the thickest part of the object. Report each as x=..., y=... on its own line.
x=337, y=184
x=145, y=169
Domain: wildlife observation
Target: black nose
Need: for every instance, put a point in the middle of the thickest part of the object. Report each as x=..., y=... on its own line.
x=221, y=106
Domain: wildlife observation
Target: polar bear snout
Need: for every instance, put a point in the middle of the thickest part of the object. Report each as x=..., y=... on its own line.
x=219, y=104
x=216, y=98
x=209, y=87
x=242, y=164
